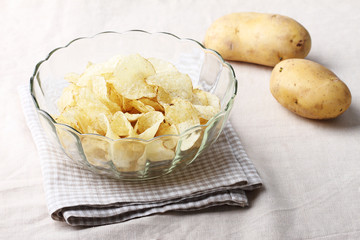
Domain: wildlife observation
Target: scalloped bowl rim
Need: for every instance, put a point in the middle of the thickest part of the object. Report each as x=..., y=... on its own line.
x=223, y=111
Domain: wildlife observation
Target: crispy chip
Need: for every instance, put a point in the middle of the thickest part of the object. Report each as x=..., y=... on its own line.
x=121, y=125
x=113, y=62
x=149, y=133
x=111, y=97
x=90, y=72
x=133, y=117
x=72, y=77
x=140, y=106
x=69, y=118
x=156, y=151
x=67, y=98
x=85, y=98
x=89, y=108
x=149, y=119
x=163, y=97
x=176, y=84
x=96, y=151
x=104, y=69
x=165, y=128
x=204, y=98
x=107, y=127
x=161, y=65
x=74, y=117
x=182, y=114
x=190, y=140
x=199, y=97
x=148, y=124
x=115, y=97
x=153, y=103
x=205, y=112
x=186, y=125
x=129, y=77
x=128, y=155
x=100, y=90
x=125, y=103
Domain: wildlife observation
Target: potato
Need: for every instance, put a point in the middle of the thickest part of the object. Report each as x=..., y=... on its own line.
x=259, y=38
x=309, y=89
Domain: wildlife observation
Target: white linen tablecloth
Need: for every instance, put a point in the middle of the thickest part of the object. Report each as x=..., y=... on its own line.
x=310, y=169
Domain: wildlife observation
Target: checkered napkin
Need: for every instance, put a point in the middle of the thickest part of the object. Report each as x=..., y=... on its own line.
x=220, y=176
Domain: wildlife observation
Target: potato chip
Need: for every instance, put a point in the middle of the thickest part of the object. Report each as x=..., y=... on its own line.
x=85, y=98
x=204, y=98
x=114, y=96
x=104, y=69
x=165, y=129
x=88, y=65
x=199, y=97
x=190, y=140
x=162, y=66
x=148, y=124
x=68, y=118
x=74, y=117
x=133, y=117
x=90, y=72
x=100, y=89
x=153, y=103
x=163, y=97
x=182, y=114
x=96, y=151
x=205, y=112
x=183, y=126
x=131, y=97
x=113, y=62
x=89, y=106
x=99, y=125
x=147, y=120
x=140, y=106
x=72, y=77
x=170, y=143
x=121, y=125
x=125, y=104
x=104, y=124
x=149, y=133
x=128, y=155
x=67, y=97
x=176, y=84
x=140, y=163
x=156, y=151
x=129, y=77
x=213, y=101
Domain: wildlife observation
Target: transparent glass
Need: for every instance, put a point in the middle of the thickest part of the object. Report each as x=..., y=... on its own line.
x=131, y=158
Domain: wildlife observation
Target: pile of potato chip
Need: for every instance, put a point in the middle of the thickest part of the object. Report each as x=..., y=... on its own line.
x=130, y=96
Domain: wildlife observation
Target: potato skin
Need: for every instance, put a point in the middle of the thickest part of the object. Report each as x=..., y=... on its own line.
x=259, y=38
x=309, y=89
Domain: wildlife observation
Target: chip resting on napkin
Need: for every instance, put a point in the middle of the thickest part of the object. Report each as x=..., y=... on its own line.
x=220, y=176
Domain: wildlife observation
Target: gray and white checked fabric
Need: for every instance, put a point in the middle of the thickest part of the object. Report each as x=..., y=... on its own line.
x=219, y=176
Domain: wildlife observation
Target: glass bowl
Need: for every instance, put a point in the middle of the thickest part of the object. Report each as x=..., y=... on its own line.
x=132, y=158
